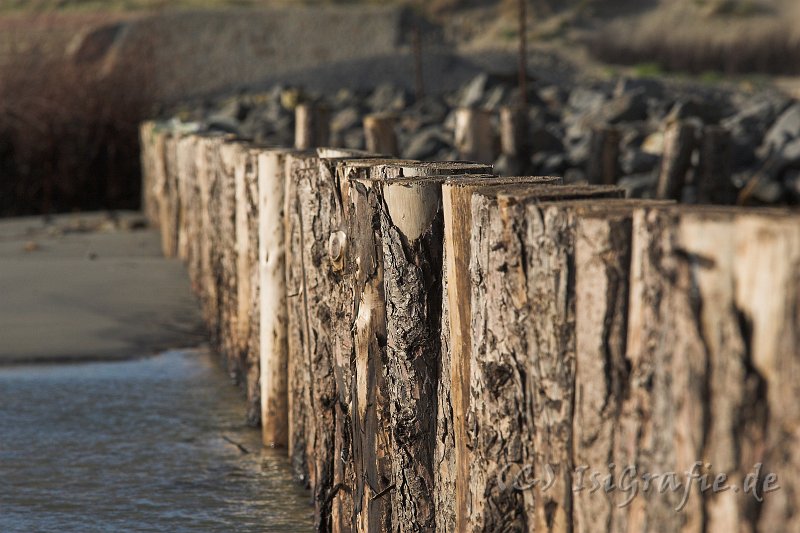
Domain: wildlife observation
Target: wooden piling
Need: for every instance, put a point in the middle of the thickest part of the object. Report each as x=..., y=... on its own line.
x=474, y=135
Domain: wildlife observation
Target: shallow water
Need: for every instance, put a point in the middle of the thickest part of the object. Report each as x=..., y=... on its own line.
x=137, y=446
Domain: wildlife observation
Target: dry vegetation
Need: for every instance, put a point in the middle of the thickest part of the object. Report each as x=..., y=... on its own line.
x=68, y=134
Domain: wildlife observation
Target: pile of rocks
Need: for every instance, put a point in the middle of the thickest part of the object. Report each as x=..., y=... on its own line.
x=761, y=154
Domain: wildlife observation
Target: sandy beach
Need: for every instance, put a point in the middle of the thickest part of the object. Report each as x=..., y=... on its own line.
x=94, y=286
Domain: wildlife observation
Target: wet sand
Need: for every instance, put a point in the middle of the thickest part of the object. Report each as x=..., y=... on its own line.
x=90, y=287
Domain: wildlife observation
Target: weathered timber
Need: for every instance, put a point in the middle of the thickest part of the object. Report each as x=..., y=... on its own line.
x=149, y=136
x=313, y=218
x=522, y=360
x=299, y=401
x=514, y=145
x=456, y=334
x=380, y=135
x=676, y=159
x=184, y=163
x=409, y=210
x=229, y=156
x=247, y=275
x=713, y=179
x=208, y=176
x=474, y=135
x=168, y=196
x=603, y=165
x=710, y=323
x=312, y=126
x=272, y=286
x=362, y=503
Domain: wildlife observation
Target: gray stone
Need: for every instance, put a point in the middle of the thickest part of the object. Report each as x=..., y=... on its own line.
x=785, y=129
x=639, y=185
x=426, y=143
x=473, y=92
x=636, y=161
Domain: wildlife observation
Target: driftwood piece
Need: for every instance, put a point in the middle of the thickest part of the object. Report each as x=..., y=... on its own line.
x=456, y=334
x=676, y=160
x=521, y=369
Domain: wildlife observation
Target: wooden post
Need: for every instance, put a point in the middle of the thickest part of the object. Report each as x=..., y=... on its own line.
x=456, y=332
x=520, y=372
x=603, y=165
x=714, y=185
x=675, y=160
x=314, y=218
x=272, y=284
x=229, y=155
x=474, y=136
x=513, y=132
x=380, y=134
x=149, y=136
x=168, y=198
x=398, y=208
x=312, y=126
x=247, y=276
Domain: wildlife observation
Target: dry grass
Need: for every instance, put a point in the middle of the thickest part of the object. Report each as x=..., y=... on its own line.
x=729, y=37
x=68, y=133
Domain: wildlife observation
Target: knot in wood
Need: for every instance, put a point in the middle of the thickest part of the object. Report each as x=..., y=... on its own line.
x=337, y=244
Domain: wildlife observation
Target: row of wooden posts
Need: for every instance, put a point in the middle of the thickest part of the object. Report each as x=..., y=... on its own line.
x=422, y=335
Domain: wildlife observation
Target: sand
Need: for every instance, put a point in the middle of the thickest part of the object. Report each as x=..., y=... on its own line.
x=90, y=287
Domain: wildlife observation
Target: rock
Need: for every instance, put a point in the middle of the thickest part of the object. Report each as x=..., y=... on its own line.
x=553, y=96
x=654, y=143
x=583, y=100
x=354, y=139
x=345, y=119
x=767, y=191
x=629, y=107
x=636, y=161
x=649, y=87
x=473, y=92
x=574, y=175
x=426, y=143
x=507, y=165
x=495, y=98
x=542, y=140
x=708, y=111
x=387, y=97
x=791, y=183
x=549, y=163
x=639, y=185
x=785, y=129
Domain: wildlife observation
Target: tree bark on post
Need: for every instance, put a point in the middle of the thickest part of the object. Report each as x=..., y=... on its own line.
x=676, y=160
x=603, y=167
x=456, y=334
x=711, y=393
x=409, y=210
x=312, y=126
x=314, y=209
x=272, y=285
x=521, y=372
x=474, y=135
x=359, y=359
x=380, y=134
